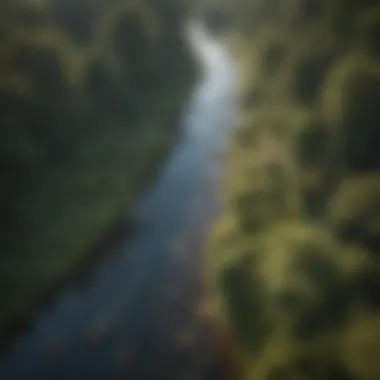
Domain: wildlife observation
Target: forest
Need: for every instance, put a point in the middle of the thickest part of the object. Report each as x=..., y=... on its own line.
x=292, y=265
x=90, y=96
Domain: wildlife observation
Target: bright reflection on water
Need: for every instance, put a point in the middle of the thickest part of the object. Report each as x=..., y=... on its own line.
x=216, y=92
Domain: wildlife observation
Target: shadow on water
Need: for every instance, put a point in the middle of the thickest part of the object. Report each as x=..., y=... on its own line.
x=135, y=316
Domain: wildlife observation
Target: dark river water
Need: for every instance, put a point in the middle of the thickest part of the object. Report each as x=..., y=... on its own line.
x=135, y=316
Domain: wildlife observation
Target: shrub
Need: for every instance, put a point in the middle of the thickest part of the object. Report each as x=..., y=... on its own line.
x=368, y=25
x=284, y=296
x=344, y=12
x=350, y=102
x=304, y=72
x=354, y=211
x=360, y=345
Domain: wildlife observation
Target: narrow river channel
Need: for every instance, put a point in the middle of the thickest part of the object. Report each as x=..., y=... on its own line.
x=135, y=316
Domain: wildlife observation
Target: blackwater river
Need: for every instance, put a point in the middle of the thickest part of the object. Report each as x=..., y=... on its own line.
x=135, y=317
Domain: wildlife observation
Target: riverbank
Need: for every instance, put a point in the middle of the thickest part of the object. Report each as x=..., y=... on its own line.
x=138, y=314
x=81, y=226
x=293, y=263
x=82, y=151
x=89, y=248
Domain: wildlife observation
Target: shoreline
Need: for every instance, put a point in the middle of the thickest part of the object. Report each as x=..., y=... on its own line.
x=86, y=262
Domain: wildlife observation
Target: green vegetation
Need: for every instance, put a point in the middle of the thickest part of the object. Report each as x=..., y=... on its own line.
x=293, y=263
x=89, y=102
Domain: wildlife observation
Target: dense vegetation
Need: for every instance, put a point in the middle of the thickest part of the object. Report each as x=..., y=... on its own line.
x=293, y=264
x=89, y=96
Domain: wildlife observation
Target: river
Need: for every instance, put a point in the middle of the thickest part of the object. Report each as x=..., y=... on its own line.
x=135, y=316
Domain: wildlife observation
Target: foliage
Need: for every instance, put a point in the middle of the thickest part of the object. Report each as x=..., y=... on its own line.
x=297, y=275
x=87, y=107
